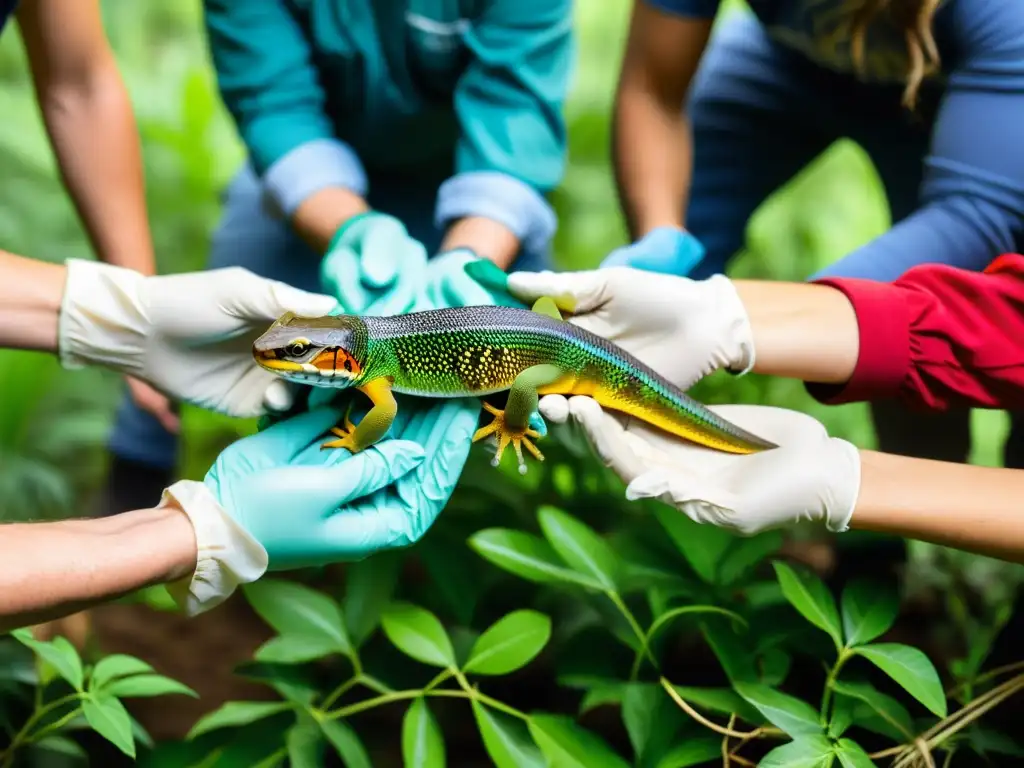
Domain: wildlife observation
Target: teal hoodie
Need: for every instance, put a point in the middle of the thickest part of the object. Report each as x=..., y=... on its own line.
x=468, y=92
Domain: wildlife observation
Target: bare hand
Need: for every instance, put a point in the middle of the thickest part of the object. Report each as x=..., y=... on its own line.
x=151, y=401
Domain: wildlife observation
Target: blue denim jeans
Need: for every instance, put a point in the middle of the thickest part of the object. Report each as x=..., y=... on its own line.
x=248, y=236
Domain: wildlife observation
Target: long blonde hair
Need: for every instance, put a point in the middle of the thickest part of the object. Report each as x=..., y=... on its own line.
x=914, y=18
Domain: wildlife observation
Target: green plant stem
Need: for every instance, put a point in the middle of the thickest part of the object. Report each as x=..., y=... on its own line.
x=637, y=630
x=483, y=698
x=376, y=685
x=668, y=616
x=830, y=681
x=25, y=736
x=340, y=691
x=443, y=675
x=56, y=725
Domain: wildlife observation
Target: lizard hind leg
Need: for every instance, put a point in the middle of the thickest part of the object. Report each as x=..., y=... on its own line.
x=512, y=425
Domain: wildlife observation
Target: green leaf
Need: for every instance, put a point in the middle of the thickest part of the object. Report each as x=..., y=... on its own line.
x=843, y=708
x=58, y=653
x=418, y=633
x=694, y=750
x=723, y=700
x=791, y=715
x=911, y=669
x=652, y=721
x=510, y=643
x=805, y=752
x=811, y=598
x=139, y=686
x=422, y=742
x=851, y=755
x=295, y=649
x=703, y=546
x=601, y=694
x=734, y=654
x=108, y=717
x=580, y=546
x=886, y=707
x=369, y=585
x=117, y=665
x=299, y=611
x=506, y=740
x=62, y=745
x=346, y=743
x=869, y=611
x=235, y=713
x=568, y=745
x=526, y=556
x=745, y=553
x=305, y=742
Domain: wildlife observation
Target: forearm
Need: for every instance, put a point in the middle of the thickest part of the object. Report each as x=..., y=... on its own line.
x=48, y=570
x=30, y=300
x=652, y=158
x=90, y=122
x=319, y=216
x=806, y=332
x=485, y=237
x=976, y=509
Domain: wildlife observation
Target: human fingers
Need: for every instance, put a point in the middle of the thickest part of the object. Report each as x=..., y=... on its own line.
x=281, y=442
x=574, y=292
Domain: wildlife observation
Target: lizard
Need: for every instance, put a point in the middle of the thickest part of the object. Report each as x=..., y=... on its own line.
x=479, y=351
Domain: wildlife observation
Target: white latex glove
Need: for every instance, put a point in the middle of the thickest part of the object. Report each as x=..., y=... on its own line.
x=189, y=335
x=684, y=329
x=809, y=477
x=227, y=555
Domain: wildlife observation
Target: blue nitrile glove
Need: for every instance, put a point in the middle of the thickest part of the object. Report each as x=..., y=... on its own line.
x=667, y=250
x=461, y=278
x=309, y=506
x=373, y=267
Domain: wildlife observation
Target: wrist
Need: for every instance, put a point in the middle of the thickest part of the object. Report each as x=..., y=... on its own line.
x=735, y=333
x=101, y=320
x=843, y=484
x=30, y=301
x=802, y=331
x=226, y=554
x=322, y=217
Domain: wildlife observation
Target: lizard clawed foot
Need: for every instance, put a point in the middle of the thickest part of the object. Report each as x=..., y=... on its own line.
x=519, y=438
x=346, y=432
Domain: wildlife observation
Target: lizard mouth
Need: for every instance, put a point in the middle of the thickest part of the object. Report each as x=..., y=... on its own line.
x=303, y=373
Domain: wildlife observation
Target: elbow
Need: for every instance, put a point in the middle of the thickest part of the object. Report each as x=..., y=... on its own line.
x=94, y=88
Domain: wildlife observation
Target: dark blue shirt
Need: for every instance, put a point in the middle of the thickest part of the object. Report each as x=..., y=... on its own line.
x=972, y=199
x=6, y=9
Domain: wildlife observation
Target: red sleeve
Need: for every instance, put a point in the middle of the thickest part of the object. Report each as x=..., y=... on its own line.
x=938, y=336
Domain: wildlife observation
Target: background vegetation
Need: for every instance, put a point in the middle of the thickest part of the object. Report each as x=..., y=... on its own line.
x=53, y=423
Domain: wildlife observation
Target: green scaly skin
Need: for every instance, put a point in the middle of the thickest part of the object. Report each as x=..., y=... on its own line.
x=479, y=351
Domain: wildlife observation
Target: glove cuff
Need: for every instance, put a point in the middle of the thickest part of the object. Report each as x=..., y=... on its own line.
x=843, y=484
x=736, y=335
x=101, y=317
x=227, y=556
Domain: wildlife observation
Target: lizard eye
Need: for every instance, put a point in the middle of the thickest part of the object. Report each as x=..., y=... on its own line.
x=296, y=349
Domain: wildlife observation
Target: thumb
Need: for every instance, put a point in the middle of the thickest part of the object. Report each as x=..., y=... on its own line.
x=608, y=437
x=573, y=292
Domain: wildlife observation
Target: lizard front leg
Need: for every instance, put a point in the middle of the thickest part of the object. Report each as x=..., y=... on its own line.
x=512, y=424
x=374, y=425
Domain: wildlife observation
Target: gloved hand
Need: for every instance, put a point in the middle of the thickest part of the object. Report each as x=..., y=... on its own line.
x=460, y=278
x=373, y=267
x=684, y=329
x=275, y=499
x=664, y=249
x=809, y=477
x=189, y=335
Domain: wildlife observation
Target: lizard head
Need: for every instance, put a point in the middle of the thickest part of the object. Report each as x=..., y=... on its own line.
x=328, y=351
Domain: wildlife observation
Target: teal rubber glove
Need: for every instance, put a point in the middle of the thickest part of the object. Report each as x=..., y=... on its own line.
x=373, y=267
x=667, y=250
x=308, y=506
x=461, y=278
